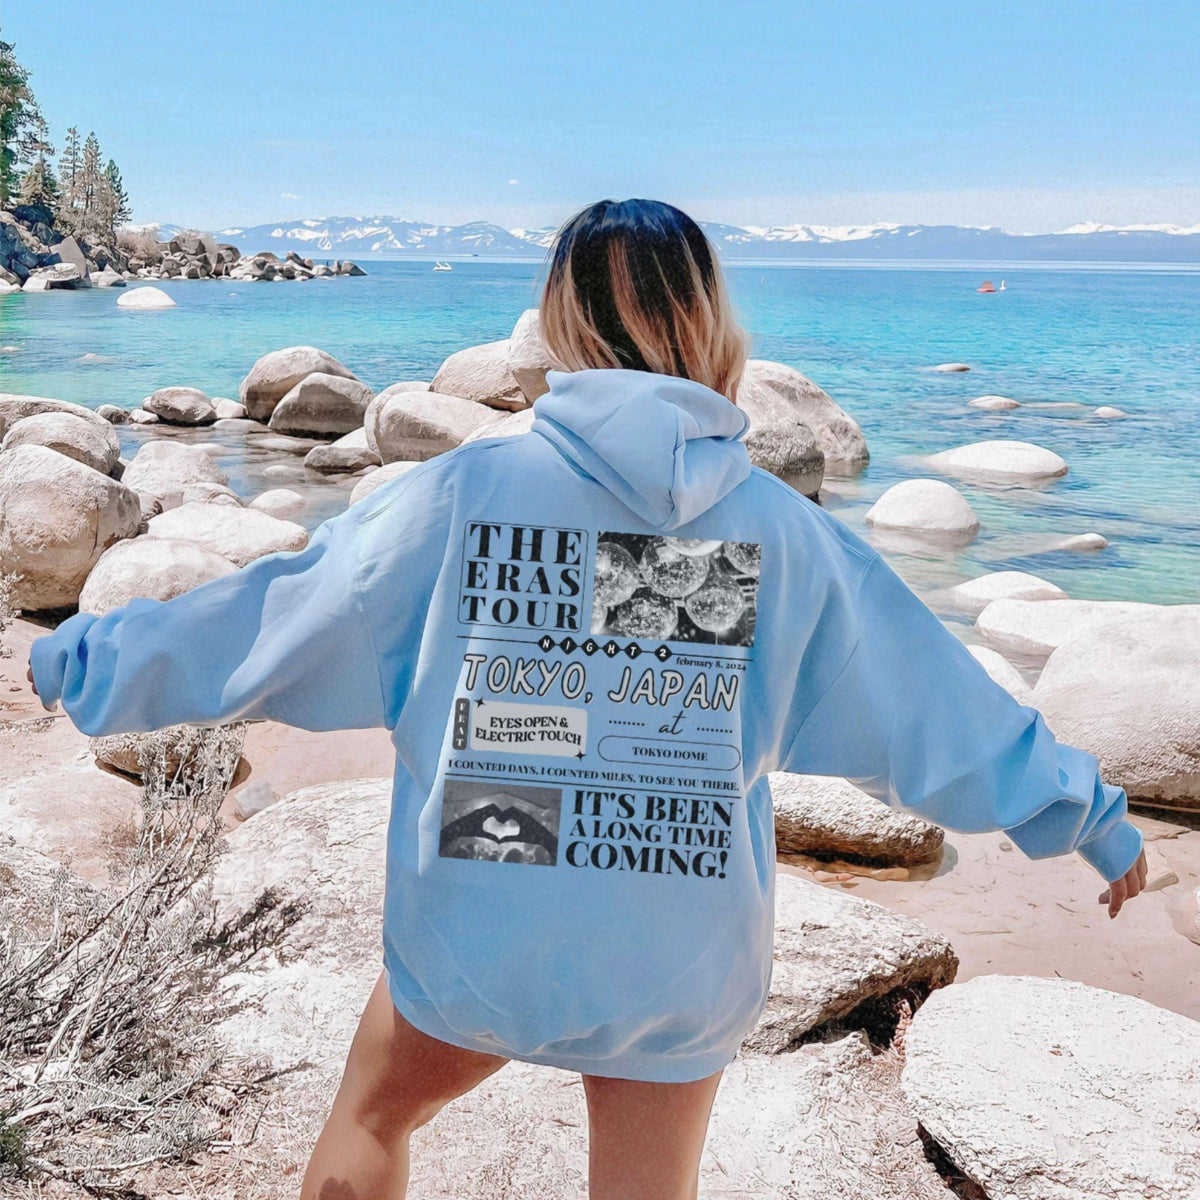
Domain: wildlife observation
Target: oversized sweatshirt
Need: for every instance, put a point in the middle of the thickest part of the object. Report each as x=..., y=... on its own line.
x=590, y=645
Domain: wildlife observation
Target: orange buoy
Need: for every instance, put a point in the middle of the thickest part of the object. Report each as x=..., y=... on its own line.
x=986, y=286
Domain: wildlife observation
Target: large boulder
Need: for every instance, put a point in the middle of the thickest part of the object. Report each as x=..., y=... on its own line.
x=145, y=299
x=70, y=251
x=57, y=517
x=57, y=277
x=238, y=534
x=413, y=426
x=482, y=374
x=1033, y=629
x=151, y=567
x=773, y=387
x=108, y=278
x=1000, y=461
x=821, y=817
x=994, y=403
x=1127, y=690
x=835, y=954
x=780, y=442
x=975, y=595
x=1046, y=1089
x=93, y=443
x=14, y=407
x=528, y=358
x=376, y=479
x=349, y=453
x=927, y=507
x=181, y=406
x=283, y=503
x=275, y=374
x=322, y=403
x=164, y=469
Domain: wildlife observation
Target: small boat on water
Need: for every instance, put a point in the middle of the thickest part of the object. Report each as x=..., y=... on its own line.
x=1003, y=286
x=442, y=266
x=986, y=286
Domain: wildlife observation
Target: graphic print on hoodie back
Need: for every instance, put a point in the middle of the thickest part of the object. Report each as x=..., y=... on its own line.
x=661, y=628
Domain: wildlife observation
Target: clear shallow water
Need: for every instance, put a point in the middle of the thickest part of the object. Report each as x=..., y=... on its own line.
x=1081, y=337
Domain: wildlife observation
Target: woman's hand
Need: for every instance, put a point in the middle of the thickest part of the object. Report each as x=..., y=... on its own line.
x=32, y=682
x=1125, y=888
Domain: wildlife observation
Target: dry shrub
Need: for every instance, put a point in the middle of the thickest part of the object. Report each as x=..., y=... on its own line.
x=110, y=999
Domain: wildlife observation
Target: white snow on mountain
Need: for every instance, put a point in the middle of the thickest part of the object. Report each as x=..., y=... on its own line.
x=387, y=236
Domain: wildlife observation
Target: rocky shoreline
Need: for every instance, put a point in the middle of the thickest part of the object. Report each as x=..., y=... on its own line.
x=99, y=506
x=34, y=257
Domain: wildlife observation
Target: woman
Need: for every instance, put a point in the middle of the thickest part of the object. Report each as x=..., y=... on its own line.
x=590, y=644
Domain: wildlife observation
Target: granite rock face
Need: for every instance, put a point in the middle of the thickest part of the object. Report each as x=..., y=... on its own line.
x=151, y=567
x=1046, y=1089
x=481, y=373
x=822, y=816
x=275, y=374
x=1127, y=690
x=89, y=442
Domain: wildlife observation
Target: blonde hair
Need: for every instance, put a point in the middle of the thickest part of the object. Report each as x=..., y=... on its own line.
x=636, y=284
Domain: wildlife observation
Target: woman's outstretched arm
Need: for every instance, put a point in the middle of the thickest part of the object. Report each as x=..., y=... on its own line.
x=286, y=637
x=910, y=717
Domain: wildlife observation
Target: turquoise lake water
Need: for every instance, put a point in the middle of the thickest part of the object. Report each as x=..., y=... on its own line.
x=1055, y=339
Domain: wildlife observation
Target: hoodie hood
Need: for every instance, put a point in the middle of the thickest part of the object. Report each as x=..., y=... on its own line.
x=667, y=448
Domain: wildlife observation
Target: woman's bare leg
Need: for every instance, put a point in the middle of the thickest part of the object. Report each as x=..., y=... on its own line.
x=645, y=1139
x=396, y=1079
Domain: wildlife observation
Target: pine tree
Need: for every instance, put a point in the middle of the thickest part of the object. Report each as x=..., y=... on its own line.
x=121, y=211
x=22, y=129
x=69, y=212
x=92, y=218
x=39, y=185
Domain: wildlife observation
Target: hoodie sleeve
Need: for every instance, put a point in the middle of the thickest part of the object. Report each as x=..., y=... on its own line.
x=911, y=718
x=286, y=637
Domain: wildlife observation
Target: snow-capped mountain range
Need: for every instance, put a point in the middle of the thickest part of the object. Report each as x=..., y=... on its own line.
x=395, y=237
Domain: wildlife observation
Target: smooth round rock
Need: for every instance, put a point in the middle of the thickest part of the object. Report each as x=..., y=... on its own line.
x=275, y=374
x=283, y=503
x=322, y=403
x=229, y=410
x=951, y=368
x=139, y=416
x=827, y=817
x=772, y=391
x=993, y=403
x=925, y=506
x=1036, y=628
x=113, y=414
x=1109, y=412
x=376, y=479
x=347, y=454
x=1047, y=1089
x=1001, y=460
x=1083, y=543
x=973, y=596
x=410, y=426
x=89, y=442
x=145, y=299
x=238, y=534
x=151, y=567
x=181, y=406
x=57, y=517
x=482, y=374
x=163, y=468
x=1127, y=689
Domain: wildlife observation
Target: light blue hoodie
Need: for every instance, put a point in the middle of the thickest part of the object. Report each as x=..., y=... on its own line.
x=591, y=644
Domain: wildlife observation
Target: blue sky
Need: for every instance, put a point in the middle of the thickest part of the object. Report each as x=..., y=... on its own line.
x=1027, y=115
